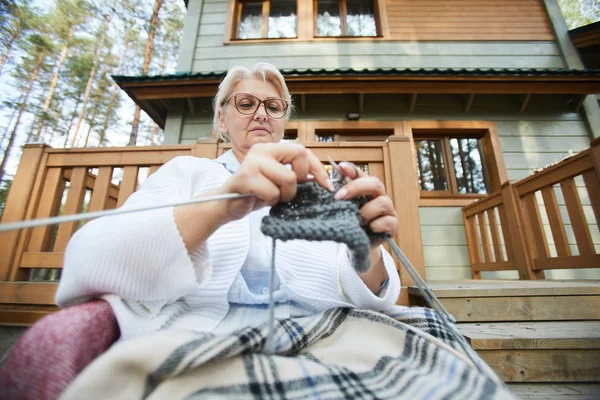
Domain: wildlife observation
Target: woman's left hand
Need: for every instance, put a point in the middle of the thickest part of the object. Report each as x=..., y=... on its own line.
x=379, y=211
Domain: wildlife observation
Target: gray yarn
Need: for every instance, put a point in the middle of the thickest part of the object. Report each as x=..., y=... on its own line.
x=314, y=214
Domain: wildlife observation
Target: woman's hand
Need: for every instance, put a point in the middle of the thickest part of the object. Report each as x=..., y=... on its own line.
x=263, y=174
x=378, y=213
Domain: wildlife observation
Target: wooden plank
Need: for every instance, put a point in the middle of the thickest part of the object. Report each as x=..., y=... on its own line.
x=473, y=246
x=376, y=170
x=90, y=181
x=532, y=335
x=49, y=203
x=506, y=233
x=18, y=201
x=27, y=293
x=112, y=159
x=152, y=169
x=14, y=314
x=567, y=262
x=555, y=391
x=577, y=217
x=516, y=235
x=503, y=288
x=490, y=201
x=495, y=266
x=353, y=154
x=487, y=255
x=406, y=202
x=42, y=260
x=556, y=223
x=128, y=184
x=592, y=184
x=545, y=365
x=568, y=168
x=531, y=308
x=498, y=256
x=533, y=223
x=100, y=192
x=72, y=206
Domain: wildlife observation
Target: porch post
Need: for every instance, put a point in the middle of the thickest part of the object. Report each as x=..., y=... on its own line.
x=17, y=202
x=406, y=201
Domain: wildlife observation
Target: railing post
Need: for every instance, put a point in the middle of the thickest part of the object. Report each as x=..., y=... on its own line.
x=17, y=203
x=205, y=147
x=405, y=190
x=520, y=243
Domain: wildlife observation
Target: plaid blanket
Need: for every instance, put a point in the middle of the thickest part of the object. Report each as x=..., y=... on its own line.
x=341, y=353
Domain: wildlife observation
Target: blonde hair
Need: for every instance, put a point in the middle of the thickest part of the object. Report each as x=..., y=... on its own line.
x=265, y=71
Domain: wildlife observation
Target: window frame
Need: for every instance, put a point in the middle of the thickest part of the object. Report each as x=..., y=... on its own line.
x=449, y=171
x=343, y=6
x=441, y=130
x=264, y=27
x=305, y=25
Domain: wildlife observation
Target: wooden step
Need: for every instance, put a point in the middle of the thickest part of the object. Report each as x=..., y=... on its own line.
x=538, y=351
x=556, y=391
x=506, y=300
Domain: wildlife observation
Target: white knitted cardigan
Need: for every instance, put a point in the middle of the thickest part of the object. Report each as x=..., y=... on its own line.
x=138, y=262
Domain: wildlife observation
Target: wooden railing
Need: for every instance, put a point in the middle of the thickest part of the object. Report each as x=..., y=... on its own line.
x=505, y=231
x=52, y=182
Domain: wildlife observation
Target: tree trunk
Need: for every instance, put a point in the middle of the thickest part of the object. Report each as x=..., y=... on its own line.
x=71, y=120
x=87, y=136
x=147, y=58
x=12, y=116
x=92, y=77
x=8, y=47
x=13, y=134
x=61, y=60
x=163, y=63
x=113, y=97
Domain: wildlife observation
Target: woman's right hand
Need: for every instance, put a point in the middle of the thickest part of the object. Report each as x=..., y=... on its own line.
x=264, y=175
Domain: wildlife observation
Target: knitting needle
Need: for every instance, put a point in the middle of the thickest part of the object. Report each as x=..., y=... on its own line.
x=104, y=213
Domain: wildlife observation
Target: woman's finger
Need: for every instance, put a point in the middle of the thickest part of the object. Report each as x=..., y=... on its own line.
x=351, y=170
x=386, y=224
x=378, y=207
x=285, y=179
x=365, y=186
x=317, y=170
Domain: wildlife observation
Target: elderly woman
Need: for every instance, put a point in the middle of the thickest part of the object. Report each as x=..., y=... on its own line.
x=189, y=286
x=204, y=267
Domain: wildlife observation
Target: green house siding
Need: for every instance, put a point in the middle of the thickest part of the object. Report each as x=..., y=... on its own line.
x=208, y=19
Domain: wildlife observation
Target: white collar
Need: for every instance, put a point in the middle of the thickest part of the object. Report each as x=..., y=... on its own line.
x=229, y=161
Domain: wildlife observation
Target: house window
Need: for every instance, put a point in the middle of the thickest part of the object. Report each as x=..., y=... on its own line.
x=266, y=19
x=452, y=165
x=345, y=18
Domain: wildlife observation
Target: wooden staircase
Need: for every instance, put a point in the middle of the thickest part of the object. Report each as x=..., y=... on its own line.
x=528, y=331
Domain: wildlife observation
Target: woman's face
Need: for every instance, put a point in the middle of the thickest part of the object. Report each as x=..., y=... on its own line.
x=259, y=127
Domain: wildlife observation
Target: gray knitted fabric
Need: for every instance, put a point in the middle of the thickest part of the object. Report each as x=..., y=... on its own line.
x=314, y=214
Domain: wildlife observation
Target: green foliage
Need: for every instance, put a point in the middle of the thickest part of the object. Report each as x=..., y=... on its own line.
x=578, y=13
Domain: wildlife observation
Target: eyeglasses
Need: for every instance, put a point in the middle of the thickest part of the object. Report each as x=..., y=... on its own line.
x=248, y=104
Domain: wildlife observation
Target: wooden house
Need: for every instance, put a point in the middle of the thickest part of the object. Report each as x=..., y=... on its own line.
x=453, y=104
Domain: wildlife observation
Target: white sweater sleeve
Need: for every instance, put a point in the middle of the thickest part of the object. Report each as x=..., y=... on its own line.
x=140, y=256
x=356, y=290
